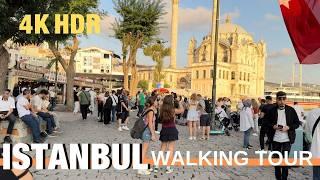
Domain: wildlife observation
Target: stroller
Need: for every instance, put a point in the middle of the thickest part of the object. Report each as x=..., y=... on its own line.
x=220, y=125
x=235, y=121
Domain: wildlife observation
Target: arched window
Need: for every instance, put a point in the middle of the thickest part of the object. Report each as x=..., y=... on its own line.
x=233, y=75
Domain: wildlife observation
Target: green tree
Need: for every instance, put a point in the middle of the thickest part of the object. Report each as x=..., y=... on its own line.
x=157, y=52
x=138, y=25
x=65, y=55
x=166, y=85
x=143, y=84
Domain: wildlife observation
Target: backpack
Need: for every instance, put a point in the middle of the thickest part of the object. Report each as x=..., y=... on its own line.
x=139, y=126
x=119, y=106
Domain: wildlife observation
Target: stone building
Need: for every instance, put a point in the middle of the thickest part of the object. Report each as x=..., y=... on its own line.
x=240, y=71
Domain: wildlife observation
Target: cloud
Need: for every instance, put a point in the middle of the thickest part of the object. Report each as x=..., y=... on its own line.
x=272, y=17
x=285, y=52
x=197, y=19
x=106, y=24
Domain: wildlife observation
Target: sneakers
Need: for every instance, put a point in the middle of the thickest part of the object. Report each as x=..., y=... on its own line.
x=157, y=132
x=125, y=128
x=7, y=139
x=120, y=129
x=254, y=134
x=52, y=135
x=144, y=172
x=190, y=138
x=169, y=170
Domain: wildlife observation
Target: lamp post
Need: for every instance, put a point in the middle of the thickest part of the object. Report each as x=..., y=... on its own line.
x=214, y=52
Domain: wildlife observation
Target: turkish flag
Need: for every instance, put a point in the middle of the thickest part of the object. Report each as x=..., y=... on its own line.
x=302, y=19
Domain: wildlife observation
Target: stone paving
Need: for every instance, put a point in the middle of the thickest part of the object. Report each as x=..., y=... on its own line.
x=76, y=130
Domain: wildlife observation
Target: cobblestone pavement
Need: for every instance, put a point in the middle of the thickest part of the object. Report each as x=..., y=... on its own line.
x=90, y=131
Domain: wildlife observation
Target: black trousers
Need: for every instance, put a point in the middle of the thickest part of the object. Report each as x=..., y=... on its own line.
x=84, y=110
x=281, y=172
x=156, y=126
x=100, y=110
x=12, y=119
x=107, y=116
x=263, y=134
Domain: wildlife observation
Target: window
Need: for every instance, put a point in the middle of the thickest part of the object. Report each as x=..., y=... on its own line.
x=224, y=75
x=204, y=74
x=240, y=76
x=197, y=74
x=90, y=71
x=233, y=75
x=106, y=56
x=171, y=78
x=149, y=76
x=84, y=70
x=102, y=70
x=248, y=76
x=219, y=74
x=211, y=73
x=227, y=75
x=244, y=76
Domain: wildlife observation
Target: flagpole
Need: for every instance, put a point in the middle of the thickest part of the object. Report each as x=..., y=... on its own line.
x=214, y=53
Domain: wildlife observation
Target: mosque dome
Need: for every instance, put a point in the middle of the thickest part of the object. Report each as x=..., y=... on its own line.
x=228, y=27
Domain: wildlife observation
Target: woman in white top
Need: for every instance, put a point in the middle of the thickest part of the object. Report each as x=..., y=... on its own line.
x=246, y=123
x=193, y=117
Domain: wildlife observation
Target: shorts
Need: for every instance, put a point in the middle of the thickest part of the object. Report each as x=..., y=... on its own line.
x=146, y=135
x=124, y=115
x=169, y=134
x=205, y=120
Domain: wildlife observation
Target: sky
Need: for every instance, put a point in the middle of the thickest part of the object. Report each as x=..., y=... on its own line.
x=261, y=18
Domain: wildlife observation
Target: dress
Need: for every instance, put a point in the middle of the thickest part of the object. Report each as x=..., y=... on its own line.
x=193, y=114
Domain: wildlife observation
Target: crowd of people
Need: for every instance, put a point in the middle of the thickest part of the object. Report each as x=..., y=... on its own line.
x=263, y=117
x=31, y=107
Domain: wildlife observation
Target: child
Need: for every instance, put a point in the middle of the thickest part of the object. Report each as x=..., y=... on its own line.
x=204, y=123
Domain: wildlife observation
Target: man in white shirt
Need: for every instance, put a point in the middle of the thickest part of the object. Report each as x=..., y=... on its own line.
x=115, y=101
x=7, y=105
x=313, y=128
x=24, y=111
x=93, y=96
x=300, y=112
x=37, y=102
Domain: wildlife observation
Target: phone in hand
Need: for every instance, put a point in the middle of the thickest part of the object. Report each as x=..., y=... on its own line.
x=280, y=126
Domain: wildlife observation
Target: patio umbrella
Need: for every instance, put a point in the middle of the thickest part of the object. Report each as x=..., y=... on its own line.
x=161, y=90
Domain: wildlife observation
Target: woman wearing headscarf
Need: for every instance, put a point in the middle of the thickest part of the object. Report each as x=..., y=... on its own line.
x=246, y=123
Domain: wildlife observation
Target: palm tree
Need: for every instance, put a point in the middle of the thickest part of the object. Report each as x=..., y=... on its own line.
x=157, y=52
x=54, y=62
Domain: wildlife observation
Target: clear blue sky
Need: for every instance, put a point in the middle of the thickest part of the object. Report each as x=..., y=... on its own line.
x=261, y=18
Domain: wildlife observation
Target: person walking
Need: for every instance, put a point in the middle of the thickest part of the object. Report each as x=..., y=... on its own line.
x=115, y=102
x=7, y=105
x=100, y=102
x=141, y=102
x=148, y=134
x=193, y=117
x=246, y=123
x=282, y=121
x=124, y=111
x=84, y=100
x=313, y=128
x=76, y=101
x=255, y=108
x=107, y=109
x=169, y=133
x=264, y=129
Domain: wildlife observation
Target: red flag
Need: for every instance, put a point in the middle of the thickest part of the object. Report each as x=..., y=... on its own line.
x=302, y=19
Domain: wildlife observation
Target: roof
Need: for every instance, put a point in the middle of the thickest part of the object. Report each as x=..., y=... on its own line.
x=229, y=27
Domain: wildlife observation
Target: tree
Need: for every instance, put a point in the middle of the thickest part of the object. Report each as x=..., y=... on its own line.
x=143, y=84
x=137, y=26
x=157, y=52
x=67, y=54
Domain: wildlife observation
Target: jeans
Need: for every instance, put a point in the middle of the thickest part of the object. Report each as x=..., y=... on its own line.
x=113, y=114
x=100, y=110
x=281, y=172
x=49, y=119
x=316, y=172
x=32, y=122
x=53, y=102
x=140, y=110
x=246, y=138
x=263, y=133
x=107, y=116
x=84, y=110
x=12, y=119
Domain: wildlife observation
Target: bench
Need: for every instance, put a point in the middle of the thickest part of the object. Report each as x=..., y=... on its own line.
x=21, y=132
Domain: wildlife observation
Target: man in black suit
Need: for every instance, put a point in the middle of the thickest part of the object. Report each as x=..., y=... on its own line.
x=282, y=121
x=107, y=108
